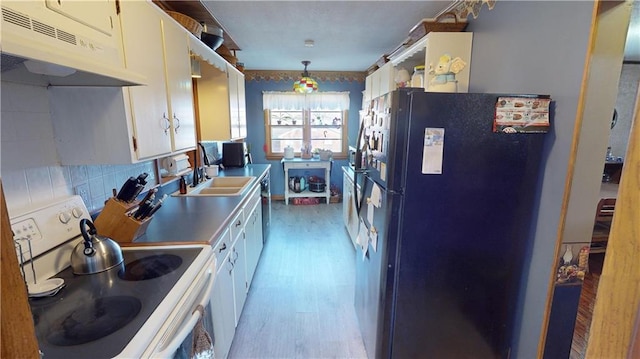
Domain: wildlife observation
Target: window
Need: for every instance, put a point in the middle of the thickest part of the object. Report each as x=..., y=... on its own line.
x=317, y=119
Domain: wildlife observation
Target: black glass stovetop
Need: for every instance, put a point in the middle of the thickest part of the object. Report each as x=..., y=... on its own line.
x=97, y=315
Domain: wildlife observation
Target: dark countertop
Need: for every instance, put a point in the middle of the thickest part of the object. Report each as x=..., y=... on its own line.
x=187, y=219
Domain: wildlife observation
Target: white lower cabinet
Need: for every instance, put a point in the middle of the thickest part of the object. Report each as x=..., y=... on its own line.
x=222, y=303
x=237, y=253
x=253, y=232
x=239, y=271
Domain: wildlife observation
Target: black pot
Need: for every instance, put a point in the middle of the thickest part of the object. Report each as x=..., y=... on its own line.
x=316, y=184
x=211, y=40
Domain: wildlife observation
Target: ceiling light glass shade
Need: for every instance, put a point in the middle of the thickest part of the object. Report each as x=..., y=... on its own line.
x=305, y=85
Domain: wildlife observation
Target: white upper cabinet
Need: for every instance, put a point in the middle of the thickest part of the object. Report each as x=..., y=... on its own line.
x=179, y=85
x=237, y=103
x=163, y=111
x=221, y=103
x=149, y=104
x=380, y=82
x=127, y=125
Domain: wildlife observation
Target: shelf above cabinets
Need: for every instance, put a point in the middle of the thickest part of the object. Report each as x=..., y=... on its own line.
x=430, y=51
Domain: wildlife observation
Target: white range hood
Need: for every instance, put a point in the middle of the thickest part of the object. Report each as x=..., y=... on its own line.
x=73, y=44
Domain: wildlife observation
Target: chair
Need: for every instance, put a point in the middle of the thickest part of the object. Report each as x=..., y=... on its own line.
x=602, y=224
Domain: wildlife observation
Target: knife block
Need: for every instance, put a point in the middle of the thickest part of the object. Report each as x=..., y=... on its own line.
x=115, y=222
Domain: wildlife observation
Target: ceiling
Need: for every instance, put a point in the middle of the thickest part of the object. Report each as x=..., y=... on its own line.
x=348, y=35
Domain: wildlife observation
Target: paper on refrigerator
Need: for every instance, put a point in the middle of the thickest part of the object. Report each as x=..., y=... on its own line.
x=433, y=151
x=363, y=239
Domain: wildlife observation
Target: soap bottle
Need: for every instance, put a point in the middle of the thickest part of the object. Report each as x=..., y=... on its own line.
x=183, y=185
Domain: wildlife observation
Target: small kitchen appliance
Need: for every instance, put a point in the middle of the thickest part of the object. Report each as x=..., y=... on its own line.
x=234, y=154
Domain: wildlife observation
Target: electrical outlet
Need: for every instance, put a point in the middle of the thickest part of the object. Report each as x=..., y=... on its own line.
x=83, y=191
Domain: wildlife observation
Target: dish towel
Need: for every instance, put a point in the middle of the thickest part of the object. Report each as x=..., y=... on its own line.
x=202, y=346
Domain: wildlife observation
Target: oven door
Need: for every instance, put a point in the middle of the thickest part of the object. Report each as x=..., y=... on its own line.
x=176, y=336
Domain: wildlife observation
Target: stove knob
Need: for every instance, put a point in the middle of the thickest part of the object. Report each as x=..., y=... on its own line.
x=77, y=212
x=64, y=217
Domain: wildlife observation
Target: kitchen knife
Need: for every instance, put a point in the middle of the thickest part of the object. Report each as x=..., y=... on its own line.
x=144, y=208
x=127, y=189
x=151, y=194
x=156, y=206
x=140, y=182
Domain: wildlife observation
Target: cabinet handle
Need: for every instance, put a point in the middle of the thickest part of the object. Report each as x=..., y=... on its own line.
x=224, y=247
x=230, y=262
x=177, y=120
x=239, y=223
x=168, y=123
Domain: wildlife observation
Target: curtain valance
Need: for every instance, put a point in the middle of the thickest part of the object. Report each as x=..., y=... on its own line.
x=288, y=101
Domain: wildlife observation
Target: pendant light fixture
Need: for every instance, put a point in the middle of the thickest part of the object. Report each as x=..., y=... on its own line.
x=305, y=84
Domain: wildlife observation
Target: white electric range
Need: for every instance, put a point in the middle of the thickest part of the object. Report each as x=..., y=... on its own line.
x=145, y=307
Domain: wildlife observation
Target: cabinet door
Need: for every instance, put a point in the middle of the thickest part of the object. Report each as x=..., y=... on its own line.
x=347, y=189
x=222, y=311
x=242, y=108
x=366, y=95
x=149, y=108
x=222, y=302
x=374, y=80
x=253, y=231
x=213, y=104
x=239, y=275
x=386, y=78
x=234, y=110
x=179, y=88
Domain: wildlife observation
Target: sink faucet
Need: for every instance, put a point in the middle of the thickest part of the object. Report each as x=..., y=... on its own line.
x=197, y=176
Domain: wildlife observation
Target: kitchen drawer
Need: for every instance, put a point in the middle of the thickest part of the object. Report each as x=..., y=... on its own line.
x=222, y=248
x=236, y=225
x=307, y=165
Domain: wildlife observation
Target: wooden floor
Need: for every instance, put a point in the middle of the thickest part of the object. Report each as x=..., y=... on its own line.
x=585, y=308
x=300, y=304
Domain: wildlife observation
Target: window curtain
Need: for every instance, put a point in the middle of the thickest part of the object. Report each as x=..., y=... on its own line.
x=287, y=101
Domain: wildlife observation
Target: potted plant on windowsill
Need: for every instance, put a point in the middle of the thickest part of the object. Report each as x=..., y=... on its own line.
x=322, y=154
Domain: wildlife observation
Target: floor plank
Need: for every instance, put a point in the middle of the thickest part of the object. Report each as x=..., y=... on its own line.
x=585, y=307
x=300, y=304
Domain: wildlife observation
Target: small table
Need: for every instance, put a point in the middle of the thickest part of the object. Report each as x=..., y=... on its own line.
x=300, y=163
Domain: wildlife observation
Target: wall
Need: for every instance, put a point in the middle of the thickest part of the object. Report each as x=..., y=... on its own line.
x=625, y=103
x=30, y=169
x=256, y=130
x=536, y=47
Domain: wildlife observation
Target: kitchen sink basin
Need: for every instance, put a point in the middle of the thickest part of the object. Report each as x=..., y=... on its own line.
x=222, y=186
x=225, y=182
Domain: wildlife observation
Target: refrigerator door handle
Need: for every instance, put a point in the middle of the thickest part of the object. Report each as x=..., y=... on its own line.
x=358, y=166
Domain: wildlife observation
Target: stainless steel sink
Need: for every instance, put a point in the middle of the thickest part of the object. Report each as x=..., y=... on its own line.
x=222, y=186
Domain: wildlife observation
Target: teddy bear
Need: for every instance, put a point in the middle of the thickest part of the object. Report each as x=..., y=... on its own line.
x=444, y=74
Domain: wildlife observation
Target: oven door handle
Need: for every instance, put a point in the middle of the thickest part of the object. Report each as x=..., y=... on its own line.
x=190, y=324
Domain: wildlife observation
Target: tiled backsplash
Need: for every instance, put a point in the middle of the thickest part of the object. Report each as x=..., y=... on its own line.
x=40, y=185
x=30, y=170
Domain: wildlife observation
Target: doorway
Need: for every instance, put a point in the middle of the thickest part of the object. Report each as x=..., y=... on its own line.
x=582, y=190
x=613, y=166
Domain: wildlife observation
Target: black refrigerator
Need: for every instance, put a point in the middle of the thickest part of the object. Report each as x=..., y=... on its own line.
x=446, y=219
